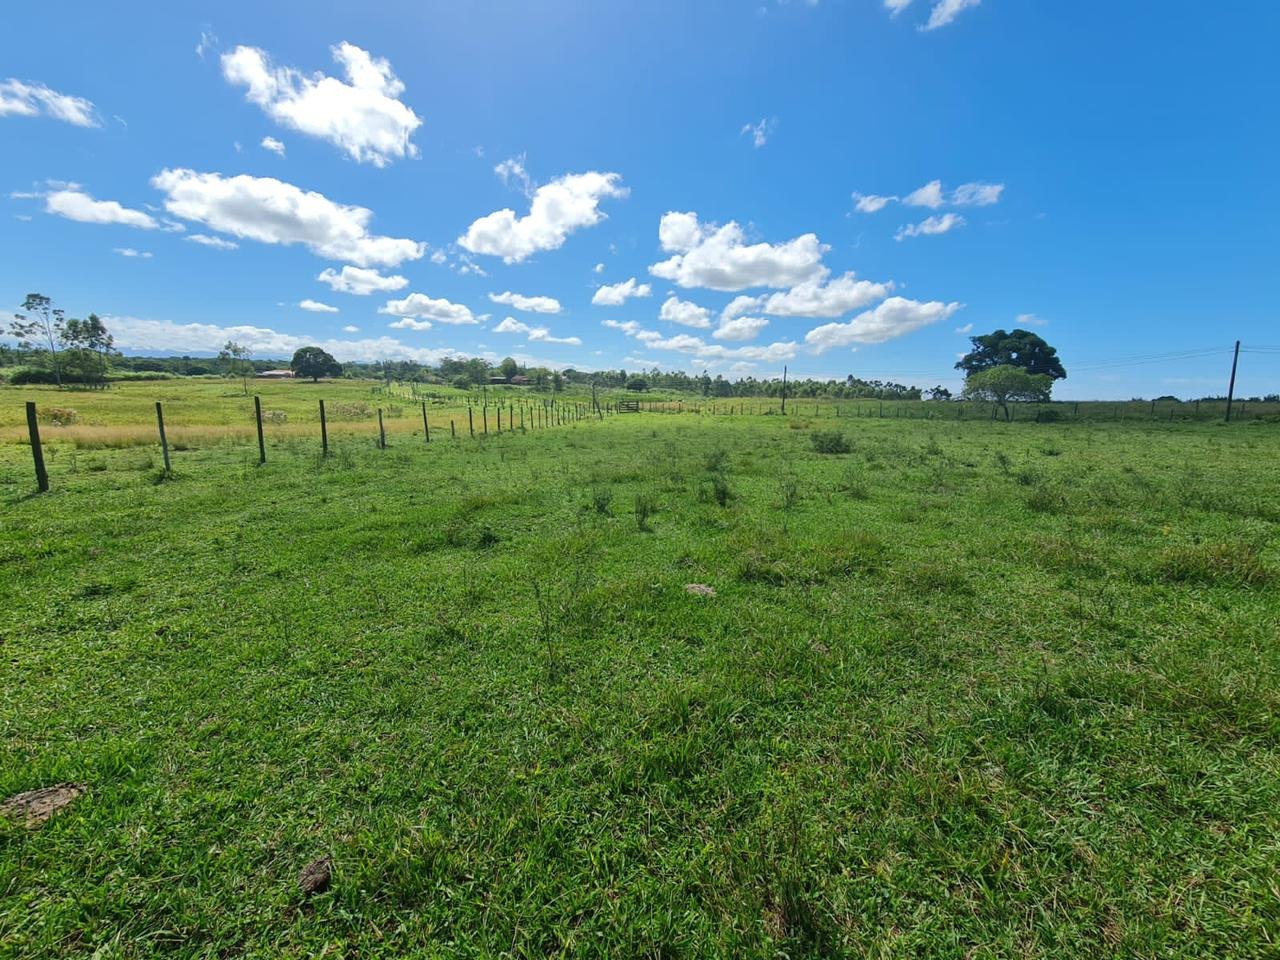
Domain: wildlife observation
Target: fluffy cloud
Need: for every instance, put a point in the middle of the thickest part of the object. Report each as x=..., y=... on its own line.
x=718, y=258
x=32, y=99
x=977, y=194
x=616, y=294
x=815, y=298
x=896, y=6
x=871, y=203
x=944, y=11
x=535, y=334
x=740, y=328
x=557, y=209
x=675, y=310
x=74, y=204
x=350, y=328
x=164, y=336
x=931, y=226
x=421, y=307
x=132, y=253
x=274, y=145
x=272, y=211
x=527, y=304
x=1029, y=320
x=893, y=318
x=362, y=116
x=216, y=242
x=360, y=281
x=315, y=306
x=930, y=195
x=697, y=347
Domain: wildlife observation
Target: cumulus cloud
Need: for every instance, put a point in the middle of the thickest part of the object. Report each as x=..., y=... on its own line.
x=360, y=281
x=421, y=307
x=535, y=334
x=350, y=328
x=527, y=304
x=740, y=328
x=870, y=202
x=216, y=242
x=557, y=209
x=274, y=145
x=362, y=116
x=315, y=306
x=930, y=195
x=74, y=204
x=932, y=226
x=272, y=211
x=165, y=336
x=20, y=99
x=816, y=298
x=697, y=347
x=945, y=11
x=685, y=313
x=616, y=294
x=718, y=257
x=132, y=253
x=893, y=318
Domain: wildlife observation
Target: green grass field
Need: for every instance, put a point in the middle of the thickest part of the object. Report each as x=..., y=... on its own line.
x=968, y=690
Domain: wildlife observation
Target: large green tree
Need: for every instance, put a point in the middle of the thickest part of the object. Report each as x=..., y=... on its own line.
x=315, y=363
x=1000, y=384
x=87, y=345
x=1021, y=348
x=40, y=328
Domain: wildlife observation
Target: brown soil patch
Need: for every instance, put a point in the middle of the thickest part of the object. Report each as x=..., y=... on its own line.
x=34, y=807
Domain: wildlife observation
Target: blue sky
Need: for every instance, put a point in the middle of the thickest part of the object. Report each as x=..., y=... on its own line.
x=834, y=185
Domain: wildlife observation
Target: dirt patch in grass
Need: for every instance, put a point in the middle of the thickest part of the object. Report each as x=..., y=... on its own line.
x=34, y=807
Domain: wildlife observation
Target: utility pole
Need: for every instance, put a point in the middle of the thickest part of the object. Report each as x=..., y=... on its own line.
x=784, y=389
x=1231, y=389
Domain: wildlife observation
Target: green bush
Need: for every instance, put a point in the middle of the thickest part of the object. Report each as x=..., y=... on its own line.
x=830, y=441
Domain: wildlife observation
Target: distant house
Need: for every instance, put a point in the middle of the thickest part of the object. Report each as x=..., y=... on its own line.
x=520, y=380
x=275, y=375
x=497, y=381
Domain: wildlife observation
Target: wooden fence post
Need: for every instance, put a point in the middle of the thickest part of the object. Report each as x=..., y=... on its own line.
x=164, y=443
x=324, y=431
x=262, y=443
x=426, y=427
x=37, y=453
x=484, y=415
x=382, y=433
x=471, y=423
x=453, y=433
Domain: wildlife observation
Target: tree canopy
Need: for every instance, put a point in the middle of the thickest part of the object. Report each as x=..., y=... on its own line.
x=1021, y=348
x=1003, y=383
x=315, y=363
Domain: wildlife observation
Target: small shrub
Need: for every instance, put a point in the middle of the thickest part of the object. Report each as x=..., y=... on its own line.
x=353, y=410
x=601, y=500
x=58, y=416
x=645, y=507
x=717, y=461
x=720, y=491
x=829, y=441
x=1046, y=499
x=1238, y=563
x=789, y=492
x=854, y=484
x=275, y=416
x=1003, y=462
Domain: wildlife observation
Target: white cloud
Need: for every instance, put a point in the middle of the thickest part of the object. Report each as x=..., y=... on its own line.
x=932, y=226
x=718, y=258
x=893, y=318
x=629, y=327
x=216, y=242
x=944, y=11
x=599, y=268
x=740, y=305
x=272, y=211
x=74, y=204
x=871, y=203
x=814, y=298
x=967, y=328
x=350, y=328
x=207, y=41
x=557, y=209
x=274, y=145
x=930, y=195
x=130, y=252
x=616, y=294
x=760, y=131
x=165, y=336
x=535, y=334
x=360, y=281
x=977, y=194
x=315, y=306
x=420, y=306
x=527, y=304
x=32, y=99
x=1029, y=320
x=740, y=328
x=895, y=7
x=409, y=323
x=363, y=116
x=675, y=310
x=512, y=172
x=697, y=347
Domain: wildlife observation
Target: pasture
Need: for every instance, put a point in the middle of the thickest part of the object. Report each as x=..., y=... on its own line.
x=966, y=689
